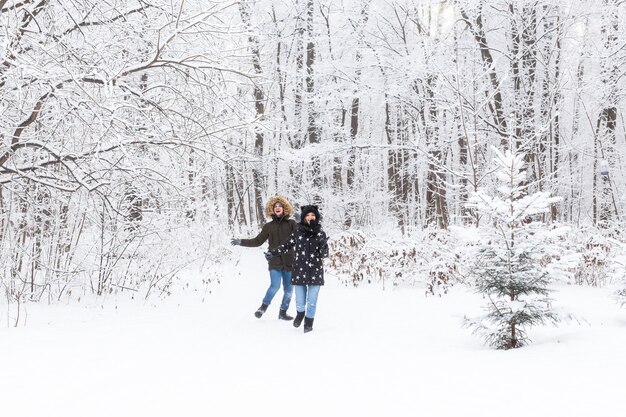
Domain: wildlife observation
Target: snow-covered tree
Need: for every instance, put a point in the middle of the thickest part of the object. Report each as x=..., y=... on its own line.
x=508, y=271
x=113, y=114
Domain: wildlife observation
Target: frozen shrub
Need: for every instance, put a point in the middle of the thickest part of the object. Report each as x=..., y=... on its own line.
x=429, y=259
x=594, y=261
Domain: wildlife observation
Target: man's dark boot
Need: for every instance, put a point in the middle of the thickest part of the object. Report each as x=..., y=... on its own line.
x=282, y=315
x=260, y=311
x=308, y=325
x=298, y=320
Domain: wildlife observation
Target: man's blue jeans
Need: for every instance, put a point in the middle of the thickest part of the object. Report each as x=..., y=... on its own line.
x=276, y=276
x=306, y=299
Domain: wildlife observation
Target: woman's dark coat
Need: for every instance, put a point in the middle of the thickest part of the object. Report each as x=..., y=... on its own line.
x=276, y=231
x=310, y=244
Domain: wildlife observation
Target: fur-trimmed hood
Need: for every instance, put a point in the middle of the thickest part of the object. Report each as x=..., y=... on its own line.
x=287, y=208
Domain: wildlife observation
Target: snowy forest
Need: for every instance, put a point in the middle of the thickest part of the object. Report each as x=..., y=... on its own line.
x=138, y=136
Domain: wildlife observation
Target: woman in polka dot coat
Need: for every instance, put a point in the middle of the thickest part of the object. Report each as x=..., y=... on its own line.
x=310, y=247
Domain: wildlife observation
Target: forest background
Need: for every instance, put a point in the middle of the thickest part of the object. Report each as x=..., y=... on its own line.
x=136, y=137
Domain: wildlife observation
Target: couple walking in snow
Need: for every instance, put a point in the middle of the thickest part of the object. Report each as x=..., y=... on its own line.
x=295, y=258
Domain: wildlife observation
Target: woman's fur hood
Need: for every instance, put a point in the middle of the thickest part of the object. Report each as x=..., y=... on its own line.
x=287, y=208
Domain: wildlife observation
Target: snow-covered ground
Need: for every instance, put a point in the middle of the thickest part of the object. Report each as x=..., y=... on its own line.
x=372, y=353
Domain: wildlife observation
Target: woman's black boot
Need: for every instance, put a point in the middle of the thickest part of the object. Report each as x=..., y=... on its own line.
x=282, y=315
x=298, y=320
x=308, y=325
x=260, y=311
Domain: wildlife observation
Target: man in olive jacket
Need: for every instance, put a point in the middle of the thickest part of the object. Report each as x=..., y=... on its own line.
x=277, y=231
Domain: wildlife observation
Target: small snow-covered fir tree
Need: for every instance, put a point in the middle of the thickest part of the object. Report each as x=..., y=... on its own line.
x=508, y=271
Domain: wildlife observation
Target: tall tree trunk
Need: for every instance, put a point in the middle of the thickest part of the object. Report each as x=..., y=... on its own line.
x=436, y=204
x=358, y=27
x=296, y=169
x=496, y=104
x=259, y=106
x=523, y=69
x=551, y=101
x=606, y=136
x=313, y=134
